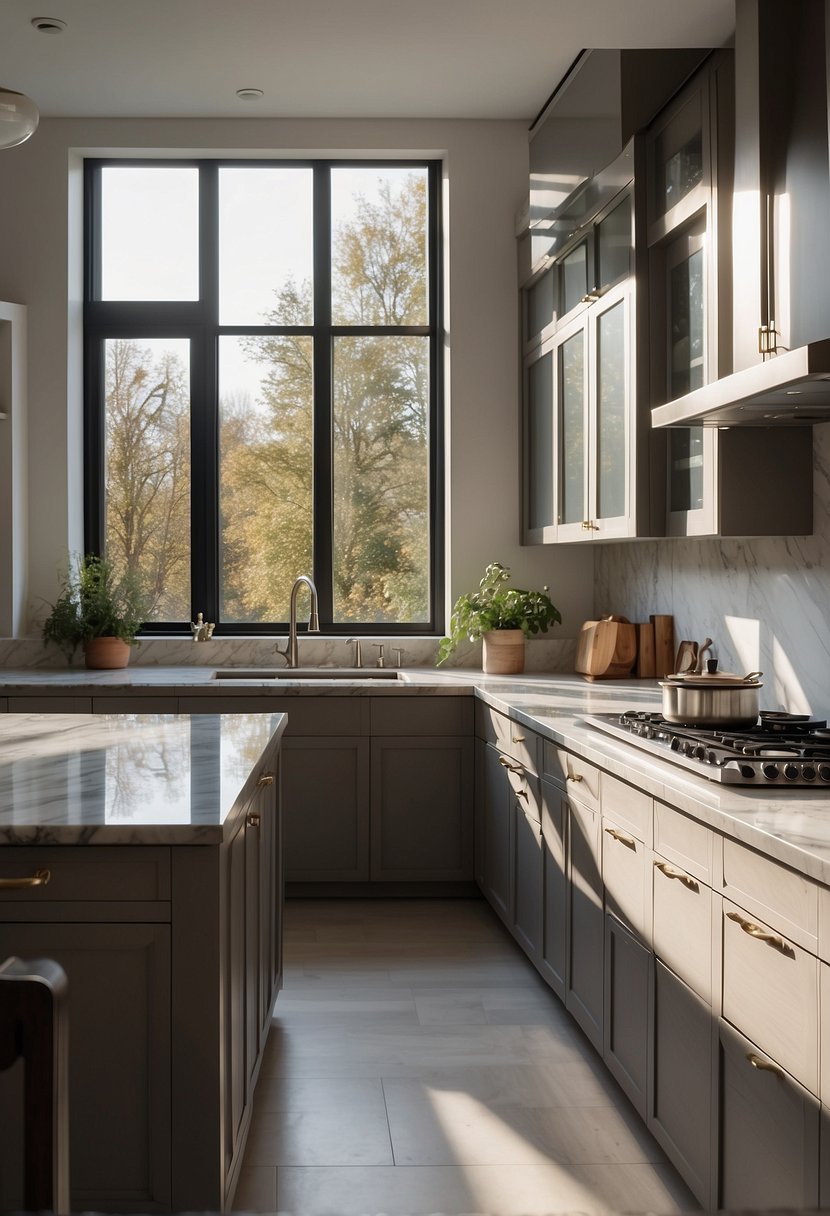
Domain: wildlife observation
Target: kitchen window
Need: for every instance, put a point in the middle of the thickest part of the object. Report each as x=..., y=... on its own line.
x=263, y=389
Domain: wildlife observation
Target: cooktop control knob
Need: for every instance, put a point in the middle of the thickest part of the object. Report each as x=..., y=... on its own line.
x=770, y=771
x=791, y=772
x=824, y=772
x=747, y=771
x=808, y=773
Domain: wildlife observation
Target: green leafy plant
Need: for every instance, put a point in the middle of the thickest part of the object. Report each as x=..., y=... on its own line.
x=497, y=606
x=95, y=602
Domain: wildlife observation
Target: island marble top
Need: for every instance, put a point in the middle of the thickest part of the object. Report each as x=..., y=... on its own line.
x=793, y=826
x=128, y=778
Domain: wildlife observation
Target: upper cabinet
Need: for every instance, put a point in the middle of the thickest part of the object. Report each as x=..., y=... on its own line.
x=626, y=303
x=585, y=434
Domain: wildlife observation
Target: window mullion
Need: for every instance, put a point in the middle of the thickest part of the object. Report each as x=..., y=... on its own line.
x=204, y=489
x=322, y=477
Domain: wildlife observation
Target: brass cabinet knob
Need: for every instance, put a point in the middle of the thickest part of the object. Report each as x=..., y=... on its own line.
x=265, y=779
x=254, y=820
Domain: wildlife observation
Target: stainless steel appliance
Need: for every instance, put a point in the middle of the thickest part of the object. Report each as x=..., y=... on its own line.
x=784, y=751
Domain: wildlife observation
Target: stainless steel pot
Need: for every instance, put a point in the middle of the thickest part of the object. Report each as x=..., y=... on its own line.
x=712, y=700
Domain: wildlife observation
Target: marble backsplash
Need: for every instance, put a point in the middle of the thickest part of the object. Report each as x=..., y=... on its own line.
x=765, y=602
x=544, y=654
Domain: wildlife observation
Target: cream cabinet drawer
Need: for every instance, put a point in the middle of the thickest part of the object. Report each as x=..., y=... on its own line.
x=91, y=873
x=629, y=807
x=624, y=877
x=510, y=737
x=682, y=927
x=685, y=842
x=783, y=898
x=575, y=775
x=770, y=993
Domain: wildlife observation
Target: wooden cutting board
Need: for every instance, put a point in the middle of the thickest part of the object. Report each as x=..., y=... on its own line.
x=606, y=649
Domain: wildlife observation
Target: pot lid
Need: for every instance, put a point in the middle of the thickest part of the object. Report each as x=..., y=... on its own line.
x=714, y=679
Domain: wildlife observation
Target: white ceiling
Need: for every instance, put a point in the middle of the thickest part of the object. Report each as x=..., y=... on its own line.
x=326, y=58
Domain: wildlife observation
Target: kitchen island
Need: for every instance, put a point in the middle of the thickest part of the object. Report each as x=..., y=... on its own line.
x=143, y=853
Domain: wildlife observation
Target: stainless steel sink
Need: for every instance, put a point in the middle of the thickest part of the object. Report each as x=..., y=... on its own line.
x=308, y=673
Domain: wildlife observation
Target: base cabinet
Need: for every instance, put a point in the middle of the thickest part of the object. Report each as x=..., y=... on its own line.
x=680, y=1105
x=326, y=800
x=627, y=1030
x=769, y=1131
x=554, y=955
x=494, y=825
x=586, y=927
x=527, y=876
x=119, y=1060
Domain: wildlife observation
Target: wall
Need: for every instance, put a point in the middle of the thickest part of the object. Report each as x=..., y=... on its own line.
x=766, y=603
x=486, y=177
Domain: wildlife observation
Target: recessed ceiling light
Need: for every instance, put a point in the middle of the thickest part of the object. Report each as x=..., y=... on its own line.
x=49, y=25
x=249, y=94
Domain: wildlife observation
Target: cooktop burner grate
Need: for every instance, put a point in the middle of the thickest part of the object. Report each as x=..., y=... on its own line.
x=783, y=750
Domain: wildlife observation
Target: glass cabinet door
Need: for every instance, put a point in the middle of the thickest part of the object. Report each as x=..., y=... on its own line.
x=614, y=244
x=539, y=497
x=575, y=277
x=572, y=412
x=610, y=332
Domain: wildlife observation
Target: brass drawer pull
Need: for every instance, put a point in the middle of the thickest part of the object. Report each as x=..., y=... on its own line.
x=628, y=841
x=764, y=1065
x=511, y=768
x=265, y=779
x=38, y=879
x=671, y=872
x=254, y=820
x=520, y=793
x=761, y=934
x=576, y=777
x=518, y=738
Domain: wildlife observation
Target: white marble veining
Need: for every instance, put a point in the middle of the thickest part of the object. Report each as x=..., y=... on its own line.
x=764, y=600
x=127, y=778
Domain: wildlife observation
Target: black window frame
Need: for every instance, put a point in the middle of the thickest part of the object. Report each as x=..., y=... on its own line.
x=198, y=321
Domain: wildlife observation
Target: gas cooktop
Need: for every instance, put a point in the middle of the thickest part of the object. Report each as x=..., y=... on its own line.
x=783, y=751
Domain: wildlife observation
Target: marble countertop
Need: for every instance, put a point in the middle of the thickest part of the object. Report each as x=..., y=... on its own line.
x=792, y=826
x=128, y=778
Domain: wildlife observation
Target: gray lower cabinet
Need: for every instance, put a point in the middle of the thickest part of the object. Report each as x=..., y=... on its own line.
x=769, y=1131
x=326, y=808
x=119, y=1059
x=553, y=958
x=824, y=1159
x=680, y=1095
x=421, y=809
x=495, y=826
x=527, y=864
x=586, y=928
x=627, y=1030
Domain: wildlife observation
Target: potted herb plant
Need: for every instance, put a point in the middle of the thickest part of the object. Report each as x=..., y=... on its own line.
x=502, y=617
x=99, y=610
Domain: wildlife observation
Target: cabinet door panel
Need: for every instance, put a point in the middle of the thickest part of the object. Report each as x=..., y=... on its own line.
x=119, y=1057
x=572, y=458
x=553, y=961
x=326, y=809
x=680, y=1113
x=769, y=1131
x=585, y=918
x=539, y=449
x=626, y=1034
x=422, y=809
x=527, y=881
x=496, y=816
x=624, y=877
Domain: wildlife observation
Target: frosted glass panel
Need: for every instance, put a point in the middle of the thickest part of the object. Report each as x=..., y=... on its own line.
x=611, y=402
x=574, y=277
x=572, y=397
x=614, y=244
x=540, y=443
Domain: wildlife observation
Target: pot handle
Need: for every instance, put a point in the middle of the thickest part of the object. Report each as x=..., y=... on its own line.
x=753, y=677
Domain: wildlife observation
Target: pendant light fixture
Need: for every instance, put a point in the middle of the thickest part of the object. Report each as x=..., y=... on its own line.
x=18, y=118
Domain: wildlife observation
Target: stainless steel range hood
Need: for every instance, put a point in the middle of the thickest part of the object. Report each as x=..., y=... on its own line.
x=791, y=388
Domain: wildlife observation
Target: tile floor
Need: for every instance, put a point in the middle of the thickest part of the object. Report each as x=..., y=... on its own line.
x=418, y=1064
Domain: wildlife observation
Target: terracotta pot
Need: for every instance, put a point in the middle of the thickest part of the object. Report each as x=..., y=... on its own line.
x=504, y=652
x=105, y=653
